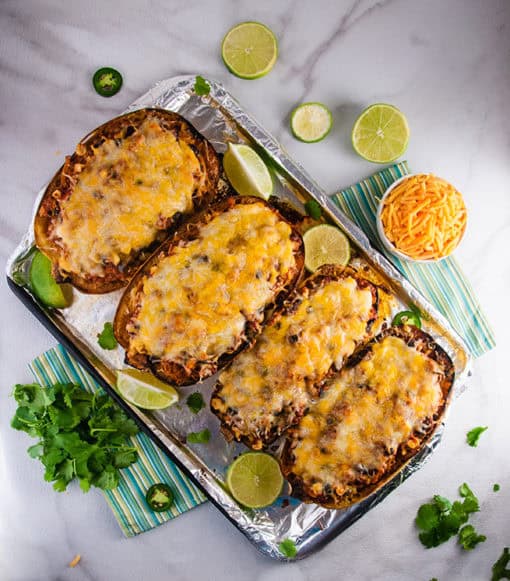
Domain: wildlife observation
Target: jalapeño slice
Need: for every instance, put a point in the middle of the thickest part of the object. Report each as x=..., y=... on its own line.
x=107, y=81
x=159, y=497
x=407, y=318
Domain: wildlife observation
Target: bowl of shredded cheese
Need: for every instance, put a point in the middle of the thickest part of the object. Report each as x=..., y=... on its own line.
x=421, y=217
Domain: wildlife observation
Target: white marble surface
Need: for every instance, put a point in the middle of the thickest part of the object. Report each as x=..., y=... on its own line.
x=447, y=66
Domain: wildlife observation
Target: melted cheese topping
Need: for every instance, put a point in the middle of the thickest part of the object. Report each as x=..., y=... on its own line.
x=297, y=350
x=369, y=411
x=196, y=301
x=123, y=196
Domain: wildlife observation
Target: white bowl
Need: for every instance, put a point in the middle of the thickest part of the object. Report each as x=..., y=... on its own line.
x=384, y=239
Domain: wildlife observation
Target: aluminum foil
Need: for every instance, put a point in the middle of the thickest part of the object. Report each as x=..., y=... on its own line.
x=220, y=118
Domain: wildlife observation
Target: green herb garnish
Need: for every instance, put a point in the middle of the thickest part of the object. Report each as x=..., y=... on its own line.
x=202, y=87
x=288, y=548
x=499, y=569
x=106, y=338
x=473, y=435
x=496, y=488
x=81, y=435
x=313, y=209
x=469, y=538
x=199, y=437
x=441, y=519
x=195, y=402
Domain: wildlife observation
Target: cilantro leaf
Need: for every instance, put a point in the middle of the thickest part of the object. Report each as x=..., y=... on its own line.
x=496, y=487
x=500, y=569
x=473, y=435
x=313, y=209
x=441, y=519
x=80, y=435
x=199, y=437
x=202, y=87
x=288, y=548
x=469, y=538
x=106, y=338
x=195, y=402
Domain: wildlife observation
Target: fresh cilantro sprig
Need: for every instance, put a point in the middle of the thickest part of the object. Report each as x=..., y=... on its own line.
x=441, y=519
x=195, y=402
x=106, y=338
x=500, y=568
x=469, y=538
x=202, y=87
x=201, y=437
x=81, y=435
x=473, y=435
x=288, y=548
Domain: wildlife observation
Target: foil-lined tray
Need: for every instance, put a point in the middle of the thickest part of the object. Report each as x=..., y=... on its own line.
x=220, y=118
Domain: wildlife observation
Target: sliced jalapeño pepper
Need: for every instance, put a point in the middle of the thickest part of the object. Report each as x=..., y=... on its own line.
x=407, y=318
x=107, y=81
x=159, y=497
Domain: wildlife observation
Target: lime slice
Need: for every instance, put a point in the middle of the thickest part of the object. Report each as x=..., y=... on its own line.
x=311, y=122
x=249, y=50
x=325, y=244
x=255, y=479
x=44, y=285
x=380, y=133
x=247, y=172
x=144, y=390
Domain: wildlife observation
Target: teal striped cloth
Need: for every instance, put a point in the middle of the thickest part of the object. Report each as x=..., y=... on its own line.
x=127, y=501
x=442, y=283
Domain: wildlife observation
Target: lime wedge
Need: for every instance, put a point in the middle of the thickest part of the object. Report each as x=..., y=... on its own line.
x=44, y=285
x=247, y=172
x=380, y=133
x=255, y=479
x=325, y=244
x=249, y=50
x=311, y=122
x=144, y=390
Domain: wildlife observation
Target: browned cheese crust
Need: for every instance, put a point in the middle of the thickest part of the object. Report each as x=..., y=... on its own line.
x=209, y=288
x=269, y=387
x=116, y=173
x=373, y=417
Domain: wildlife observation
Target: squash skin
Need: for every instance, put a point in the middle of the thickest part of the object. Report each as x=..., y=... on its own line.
x=61, y=188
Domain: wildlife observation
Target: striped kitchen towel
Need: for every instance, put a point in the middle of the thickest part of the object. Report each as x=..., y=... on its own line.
x=442, y=283
x=127, y=501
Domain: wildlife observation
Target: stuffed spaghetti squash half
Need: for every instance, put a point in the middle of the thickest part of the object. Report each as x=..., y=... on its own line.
x=269, y=387
x=373, y=417
x=116, y=198
x=205, y=293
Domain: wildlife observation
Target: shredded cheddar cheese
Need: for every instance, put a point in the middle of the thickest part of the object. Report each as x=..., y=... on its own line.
x=424, y=217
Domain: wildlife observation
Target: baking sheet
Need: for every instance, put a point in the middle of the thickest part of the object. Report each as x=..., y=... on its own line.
x=221, y=119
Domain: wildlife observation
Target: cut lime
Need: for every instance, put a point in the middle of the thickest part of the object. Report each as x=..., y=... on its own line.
x=311, y=122
x=255, y=479
x=144, y=390
x=325, y=244
x=249, y=50
x=44, y=285
x=247, y=172
x=380, y=133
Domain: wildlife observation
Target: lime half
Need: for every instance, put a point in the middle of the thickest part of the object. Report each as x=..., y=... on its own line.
x=144, y=390
x=255, y=479
x=325, y=244
x=44, y=286
x=311, y=122
x=380, y=133
x=247, y=172
x=249, y=50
